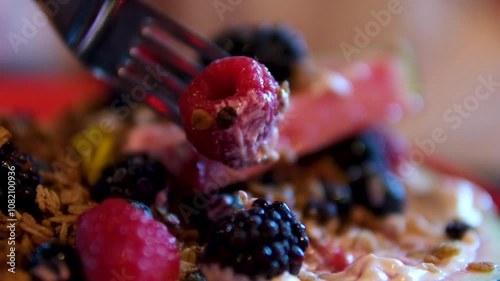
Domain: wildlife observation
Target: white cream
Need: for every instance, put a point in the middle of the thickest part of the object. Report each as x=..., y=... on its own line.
x=213, y=272
x=433, y=202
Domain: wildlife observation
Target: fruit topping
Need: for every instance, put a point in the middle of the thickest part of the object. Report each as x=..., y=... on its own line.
x=380, y=192
x=340, y=195
x=19, y=178
x=323, y=211
x=230, y=112
x=55, y=261
x=101, y=153
x=335, y=202
x=137, y=177
x=365, y=107
x=263, y=241
x=117, y=240
x=456, y=229
x=222, y=205
x=279, y=47
x=375, y=146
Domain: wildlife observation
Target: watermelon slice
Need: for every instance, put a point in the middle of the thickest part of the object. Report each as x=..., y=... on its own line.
x=315, y=119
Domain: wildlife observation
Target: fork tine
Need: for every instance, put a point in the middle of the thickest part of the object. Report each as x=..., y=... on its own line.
x=129, y=80
x=205, y=48
x=154, y=40
x=145, y=64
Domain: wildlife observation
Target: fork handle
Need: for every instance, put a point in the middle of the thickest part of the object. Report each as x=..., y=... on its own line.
x=79, y=22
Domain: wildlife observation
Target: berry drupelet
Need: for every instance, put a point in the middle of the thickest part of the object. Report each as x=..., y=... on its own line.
x=18, y=174
x=137, y=177
x=264, y=241
x=55, y=261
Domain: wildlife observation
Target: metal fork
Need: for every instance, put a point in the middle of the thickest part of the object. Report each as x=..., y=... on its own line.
x=132, y=47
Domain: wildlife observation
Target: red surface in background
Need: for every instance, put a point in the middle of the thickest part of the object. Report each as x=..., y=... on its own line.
x=46, y=97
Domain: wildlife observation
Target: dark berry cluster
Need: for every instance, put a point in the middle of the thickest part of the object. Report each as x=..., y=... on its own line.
x=24, y=176
x=279, y=47
x=55, y=261
x=367, y=161
x=264, y=241
x=137, y=177
x=336, y=202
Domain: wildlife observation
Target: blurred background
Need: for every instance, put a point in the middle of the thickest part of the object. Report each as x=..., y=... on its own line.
x=455, y=42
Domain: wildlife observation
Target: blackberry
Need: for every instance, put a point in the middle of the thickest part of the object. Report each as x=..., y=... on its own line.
x=361, y=150
x=456, y=229
x=341, y=196
x=264, y=241
x=380, y=192
x=57, y=259
x=323, y=211
x=203, y=212
x=137, y=177
x=24, y=176
x=278, y=47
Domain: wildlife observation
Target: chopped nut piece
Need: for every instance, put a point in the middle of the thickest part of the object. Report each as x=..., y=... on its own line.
x=481, y=267
x=201, y=120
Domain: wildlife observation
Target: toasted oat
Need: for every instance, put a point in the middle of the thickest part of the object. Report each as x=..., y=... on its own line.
x=187, y=268
x=64, y=218
x=74, y=195
x=366, y=241
x=78, y=209
x=431, y=267
x=48, y=200
x=47, y=223
x=38, y=240
x=4, y=136
x=431, y=259
x=37, y=231
x=189, y=255
x=446, y=250
x=483, y=267
x=63, y=234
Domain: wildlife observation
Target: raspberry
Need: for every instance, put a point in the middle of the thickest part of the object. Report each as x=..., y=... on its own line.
x=137, y=177
x=55, y=259
x=117, y=240
x=279, y=47
x=24, y=176
x=230, y=112
x=264, y=241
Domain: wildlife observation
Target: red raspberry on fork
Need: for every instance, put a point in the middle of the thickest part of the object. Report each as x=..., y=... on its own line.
x=230, y=112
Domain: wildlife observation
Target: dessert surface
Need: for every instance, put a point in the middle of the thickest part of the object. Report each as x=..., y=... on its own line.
x=108, y=194
x=424, y=227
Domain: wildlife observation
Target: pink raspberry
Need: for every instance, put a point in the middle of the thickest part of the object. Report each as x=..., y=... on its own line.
x=117, y=241
x=230, y=112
